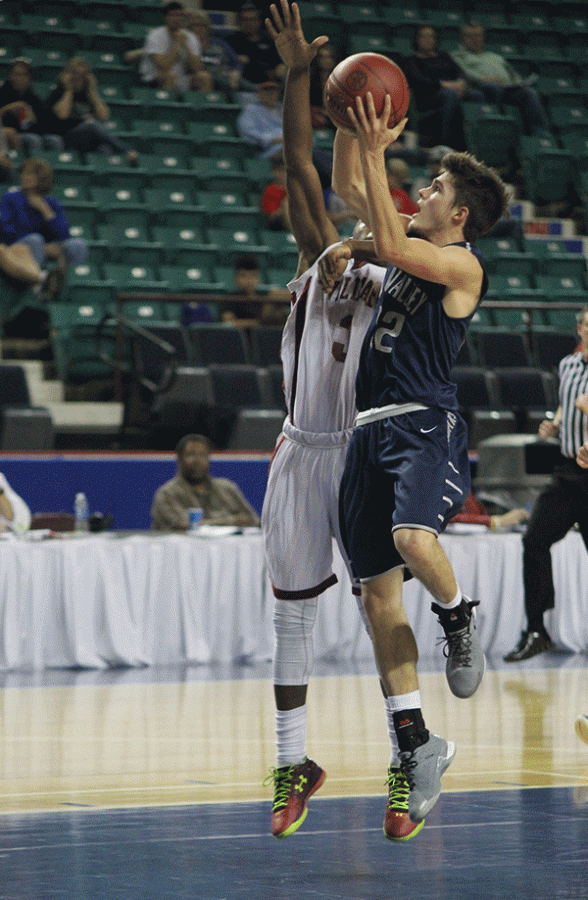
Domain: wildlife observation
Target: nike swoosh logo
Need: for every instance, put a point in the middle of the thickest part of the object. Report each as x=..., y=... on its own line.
x=427, y=430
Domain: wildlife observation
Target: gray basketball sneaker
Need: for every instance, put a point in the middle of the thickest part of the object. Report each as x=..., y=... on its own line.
x=466, y=662
x=423, y=769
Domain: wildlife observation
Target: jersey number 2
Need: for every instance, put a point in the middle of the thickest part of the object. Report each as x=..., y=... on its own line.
x=396, y=321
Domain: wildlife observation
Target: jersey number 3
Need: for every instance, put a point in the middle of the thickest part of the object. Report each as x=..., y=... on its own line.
x=396, y=321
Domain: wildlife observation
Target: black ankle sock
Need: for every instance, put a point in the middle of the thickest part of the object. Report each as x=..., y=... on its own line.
x=453, y=619
x=410, y=729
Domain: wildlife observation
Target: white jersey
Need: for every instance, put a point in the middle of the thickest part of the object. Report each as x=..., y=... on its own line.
x=320, y=353
x=321, y=344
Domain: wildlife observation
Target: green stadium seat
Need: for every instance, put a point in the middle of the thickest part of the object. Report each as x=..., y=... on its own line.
x=514, y=317
x=130, y=244
x=161, y=137
x=113, y=172
x=86, y=286
x=191, y=279
x=491, y=137
x=258, y=173
x=103, y=36
x=211, y=107
x=371, y=43
x=174, y=209
x=111, y=200
x=282, y=248
x=548, y=175
x=156, y=103
x=45, y=61
x=129, y=278
x=494, y=247
x=67, y=193
x=229, y=210
x=562, y=288
x=65, y=314
x=68, y=169
x=232, y=243
x=169, y=173
x=514, y=286
x=144, y=312
x=563, y=319
x=512, y=263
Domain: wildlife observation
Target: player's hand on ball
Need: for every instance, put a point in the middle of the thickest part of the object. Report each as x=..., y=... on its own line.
x=332, y=265
x=371, y=129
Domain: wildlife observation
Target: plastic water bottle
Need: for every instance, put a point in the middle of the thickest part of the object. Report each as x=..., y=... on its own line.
x=81, y=512
x=195, y=516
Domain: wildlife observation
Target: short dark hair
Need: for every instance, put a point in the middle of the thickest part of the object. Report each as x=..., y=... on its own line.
x=171, y=7
x=478, y=187
x=247, y=261
x=192, y=438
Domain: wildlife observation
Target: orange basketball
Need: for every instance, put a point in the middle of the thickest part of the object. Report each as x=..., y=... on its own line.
x=357, y=75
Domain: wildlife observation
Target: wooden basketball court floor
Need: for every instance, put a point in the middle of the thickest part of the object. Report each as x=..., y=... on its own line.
x=147, y=783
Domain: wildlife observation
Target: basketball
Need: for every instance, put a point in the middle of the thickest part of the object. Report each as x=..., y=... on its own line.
x=357, y=75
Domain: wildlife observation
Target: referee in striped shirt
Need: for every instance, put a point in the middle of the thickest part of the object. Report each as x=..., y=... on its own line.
x=563, y=503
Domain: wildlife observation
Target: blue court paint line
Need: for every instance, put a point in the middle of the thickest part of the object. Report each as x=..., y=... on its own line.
x=531, y=844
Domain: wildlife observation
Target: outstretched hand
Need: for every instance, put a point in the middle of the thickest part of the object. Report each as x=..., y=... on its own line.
x=285, y=30
x=372, y=130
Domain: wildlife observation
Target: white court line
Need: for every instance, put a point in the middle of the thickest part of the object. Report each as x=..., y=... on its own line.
x=245, y=836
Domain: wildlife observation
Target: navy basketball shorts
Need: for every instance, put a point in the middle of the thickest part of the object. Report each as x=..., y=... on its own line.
x=410, y=470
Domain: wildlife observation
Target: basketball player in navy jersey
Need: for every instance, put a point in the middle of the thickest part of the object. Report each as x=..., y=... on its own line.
x=407, y=469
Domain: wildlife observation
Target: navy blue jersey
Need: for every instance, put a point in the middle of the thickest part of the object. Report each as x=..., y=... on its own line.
x=412, y=344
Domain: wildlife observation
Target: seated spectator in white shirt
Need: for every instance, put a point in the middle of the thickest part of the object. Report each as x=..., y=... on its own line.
x=171, y=56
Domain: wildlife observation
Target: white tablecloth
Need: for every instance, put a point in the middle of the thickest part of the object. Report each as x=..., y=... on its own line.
x=102, y=601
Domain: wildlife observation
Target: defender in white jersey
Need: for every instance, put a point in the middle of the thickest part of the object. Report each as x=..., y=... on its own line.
x=320, y=353
x=320, y=350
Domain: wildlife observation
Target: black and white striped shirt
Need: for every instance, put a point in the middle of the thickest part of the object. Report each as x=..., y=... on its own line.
x=573, y=381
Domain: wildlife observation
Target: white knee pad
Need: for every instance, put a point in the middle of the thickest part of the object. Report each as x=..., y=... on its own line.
x=293, y=642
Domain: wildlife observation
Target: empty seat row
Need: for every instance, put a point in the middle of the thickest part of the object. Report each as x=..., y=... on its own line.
x=497, y=347
x=503, y=401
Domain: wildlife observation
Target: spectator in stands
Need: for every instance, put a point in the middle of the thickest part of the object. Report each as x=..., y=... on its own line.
x=274, y=199
x=81, y=112
x=247, y=278
x=15, y=515
x=563, y=503
x=320, y=68
x=223, y=70
x=438, y=86
x=398, y=175
x=255, y=48
x=34, y=228
x=29, y=122
x=171, y=55
x=499, y=83
x=192, y=487
x=260, y=122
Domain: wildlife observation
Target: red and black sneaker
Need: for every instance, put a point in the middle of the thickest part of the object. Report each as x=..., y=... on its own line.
x=293, y=786
x=398, y=826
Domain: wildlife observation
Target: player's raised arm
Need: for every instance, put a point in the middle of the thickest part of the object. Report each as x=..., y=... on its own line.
x=444, y=265
x=310, y=223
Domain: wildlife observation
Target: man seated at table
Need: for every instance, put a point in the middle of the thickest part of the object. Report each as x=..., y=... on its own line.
x=220, y=499
x=15, y=515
